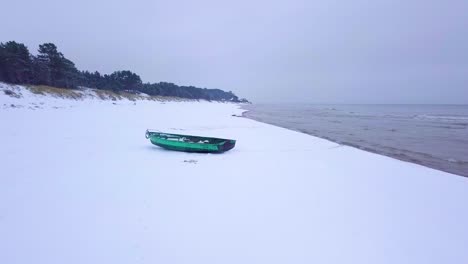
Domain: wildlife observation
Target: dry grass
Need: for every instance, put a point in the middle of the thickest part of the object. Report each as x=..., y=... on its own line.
x=78, y=94
x=54, y=91
x=106, y=95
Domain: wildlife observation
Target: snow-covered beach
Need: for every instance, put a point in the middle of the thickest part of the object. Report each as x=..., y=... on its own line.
x=79, y=183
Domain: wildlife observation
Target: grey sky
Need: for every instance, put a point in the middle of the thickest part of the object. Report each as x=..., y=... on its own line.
x=324, y=51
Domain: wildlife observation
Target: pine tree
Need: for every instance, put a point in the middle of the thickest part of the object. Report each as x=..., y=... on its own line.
x=15, y=63
x=61, y=71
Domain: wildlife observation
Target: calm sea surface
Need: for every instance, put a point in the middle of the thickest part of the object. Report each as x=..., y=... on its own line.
x=435, y=136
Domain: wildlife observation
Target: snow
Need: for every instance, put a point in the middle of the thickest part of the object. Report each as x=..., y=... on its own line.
x=81, y=184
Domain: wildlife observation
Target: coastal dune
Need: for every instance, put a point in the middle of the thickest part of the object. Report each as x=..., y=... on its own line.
x=79, y=183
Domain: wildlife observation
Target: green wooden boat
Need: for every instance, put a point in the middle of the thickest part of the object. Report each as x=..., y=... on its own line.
x=189, y=143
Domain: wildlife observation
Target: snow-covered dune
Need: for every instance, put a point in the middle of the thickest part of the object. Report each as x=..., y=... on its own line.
x=81, y=184
x=39, y=97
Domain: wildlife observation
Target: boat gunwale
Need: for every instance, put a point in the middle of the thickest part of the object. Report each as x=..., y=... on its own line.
x=223, y=140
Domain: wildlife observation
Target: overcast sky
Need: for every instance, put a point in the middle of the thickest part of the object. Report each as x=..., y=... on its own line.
x=325, y=51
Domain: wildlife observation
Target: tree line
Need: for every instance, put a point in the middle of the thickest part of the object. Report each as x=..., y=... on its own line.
x=51, y=67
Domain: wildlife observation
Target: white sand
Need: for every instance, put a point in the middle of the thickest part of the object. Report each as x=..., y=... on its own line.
x=81, y=184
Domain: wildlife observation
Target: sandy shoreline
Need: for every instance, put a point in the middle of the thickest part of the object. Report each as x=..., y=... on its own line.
x=81, y=184
x=408, y=154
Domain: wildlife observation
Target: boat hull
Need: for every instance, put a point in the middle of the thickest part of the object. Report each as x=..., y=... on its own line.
x=189, y=143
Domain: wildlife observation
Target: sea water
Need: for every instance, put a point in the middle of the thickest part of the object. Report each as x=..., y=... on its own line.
x=435, y=136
